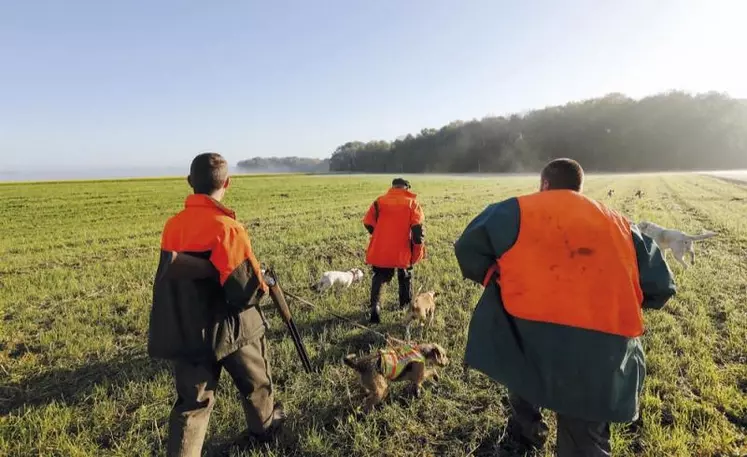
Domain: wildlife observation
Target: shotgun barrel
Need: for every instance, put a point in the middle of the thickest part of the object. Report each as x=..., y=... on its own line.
x=276, y=293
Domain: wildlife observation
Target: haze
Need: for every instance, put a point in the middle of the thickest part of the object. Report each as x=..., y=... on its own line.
x=93, y=85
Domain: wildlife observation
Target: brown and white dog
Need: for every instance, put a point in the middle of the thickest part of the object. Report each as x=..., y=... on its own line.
x=408, y=362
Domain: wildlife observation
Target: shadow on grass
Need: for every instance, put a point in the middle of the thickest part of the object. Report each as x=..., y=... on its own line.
x=74, y=386
x=358, y=340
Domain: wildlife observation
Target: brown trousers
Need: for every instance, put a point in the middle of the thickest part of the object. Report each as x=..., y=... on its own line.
x=195, y=387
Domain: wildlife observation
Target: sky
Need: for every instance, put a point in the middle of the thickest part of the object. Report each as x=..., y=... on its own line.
x=136, y=83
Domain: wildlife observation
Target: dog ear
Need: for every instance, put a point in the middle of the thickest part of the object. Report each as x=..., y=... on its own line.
x=438, y=353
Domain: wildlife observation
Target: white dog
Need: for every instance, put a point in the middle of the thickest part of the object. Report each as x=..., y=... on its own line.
x=679, y=242
x=343, y=278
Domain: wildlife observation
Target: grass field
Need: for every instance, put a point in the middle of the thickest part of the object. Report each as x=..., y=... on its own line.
x=76, y=269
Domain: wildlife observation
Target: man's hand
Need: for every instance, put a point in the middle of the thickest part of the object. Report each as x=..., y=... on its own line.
x=418, y=252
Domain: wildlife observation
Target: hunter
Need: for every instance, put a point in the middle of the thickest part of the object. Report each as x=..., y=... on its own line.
x=560, y=319
x=207, y=321
x=395, y=223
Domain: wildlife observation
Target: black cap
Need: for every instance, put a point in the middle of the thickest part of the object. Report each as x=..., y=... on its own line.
x=399, y=182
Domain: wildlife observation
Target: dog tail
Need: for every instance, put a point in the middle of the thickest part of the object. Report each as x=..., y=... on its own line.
x=704, y=236
x=350, y=360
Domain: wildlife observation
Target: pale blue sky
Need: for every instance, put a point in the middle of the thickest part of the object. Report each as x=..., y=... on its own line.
x=151, y=83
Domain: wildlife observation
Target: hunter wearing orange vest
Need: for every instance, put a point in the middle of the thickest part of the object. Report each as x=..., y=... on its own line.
x=395, y=223
x=205, y=316
x=559, y=322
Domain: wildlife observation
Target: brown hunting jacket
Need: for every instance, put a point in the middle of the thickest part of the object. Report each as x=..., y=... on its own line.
x=204, y=313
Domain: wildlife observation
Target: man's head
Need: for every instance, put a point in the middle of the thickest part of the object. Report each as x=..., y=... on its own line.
x=400, y=183
x=208, y=175
x=562, y=174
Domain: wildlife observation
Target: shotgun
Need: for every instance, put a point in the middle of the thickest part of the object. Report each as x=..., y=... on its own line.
x=188, y=266
x=276, y=293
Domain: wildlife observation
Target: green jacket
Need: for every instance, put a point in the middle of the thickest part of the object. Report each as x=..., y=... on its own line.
x=576, y=372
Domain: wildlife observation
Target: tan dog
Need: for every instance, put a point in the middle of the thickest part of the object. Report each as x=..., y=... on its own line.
x=422, y=310
x=396, y=364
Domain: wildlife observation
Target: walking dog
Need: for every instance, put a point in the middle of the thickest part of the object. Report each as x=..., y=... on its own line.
x=343, y=278
x=408, y=362
x=679, y=242
x=422, y=310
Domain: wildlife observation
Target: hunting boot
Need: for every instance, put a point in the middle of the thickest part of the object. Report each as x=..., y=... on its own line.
x=375, y=317
x=404, y=281
x=526, y=426
x=380, y=277
x=276, y=424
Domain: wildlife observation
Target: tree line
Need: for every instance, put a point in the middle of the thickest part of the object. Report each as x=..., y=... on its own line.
x=284, y=165
x=670, y=131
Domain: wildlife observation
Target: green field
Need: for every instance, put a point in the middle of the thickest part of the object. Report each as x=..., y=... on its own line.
x=77, y=265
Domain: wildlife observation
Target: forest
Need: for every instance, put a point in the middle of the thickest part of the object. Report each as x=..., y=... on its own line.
x=665, y=132
x=284, y=165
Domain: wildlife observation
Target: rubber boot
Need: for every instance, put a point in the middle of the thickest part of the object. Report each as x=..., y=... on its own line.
x=375, y=317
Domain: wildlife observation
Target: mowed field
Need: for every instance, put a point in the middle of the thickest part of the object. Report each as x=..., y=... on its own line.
x=77, y=261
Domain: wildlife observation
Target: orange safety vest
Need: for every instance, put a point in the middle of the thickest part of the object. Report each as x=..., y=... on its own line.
x=206, y=226
x=573, y=263
x=395, y=360
x=392, y=215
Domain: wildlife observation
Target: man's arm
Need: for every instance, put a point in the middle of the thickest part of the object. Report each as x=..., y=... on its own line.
x=239, y=271
x=179, y=265
x=185, y=266
x=487, y=238
x=417, y=233
x=372, y=215
x=657, y=282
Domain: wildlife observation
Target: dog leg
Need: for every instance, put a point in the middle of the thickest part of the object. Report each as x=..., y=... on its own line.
x=422, y=375
x=377, y=391
x=407, y=330
x=431, y=373
x=417, y=376
x=429, y=322
x=679, y=257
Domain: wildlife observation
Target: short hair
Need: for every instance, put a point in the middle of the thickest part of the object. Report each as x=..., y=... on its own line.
x=208, y=173
x=399, y=182
x=563, y=174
